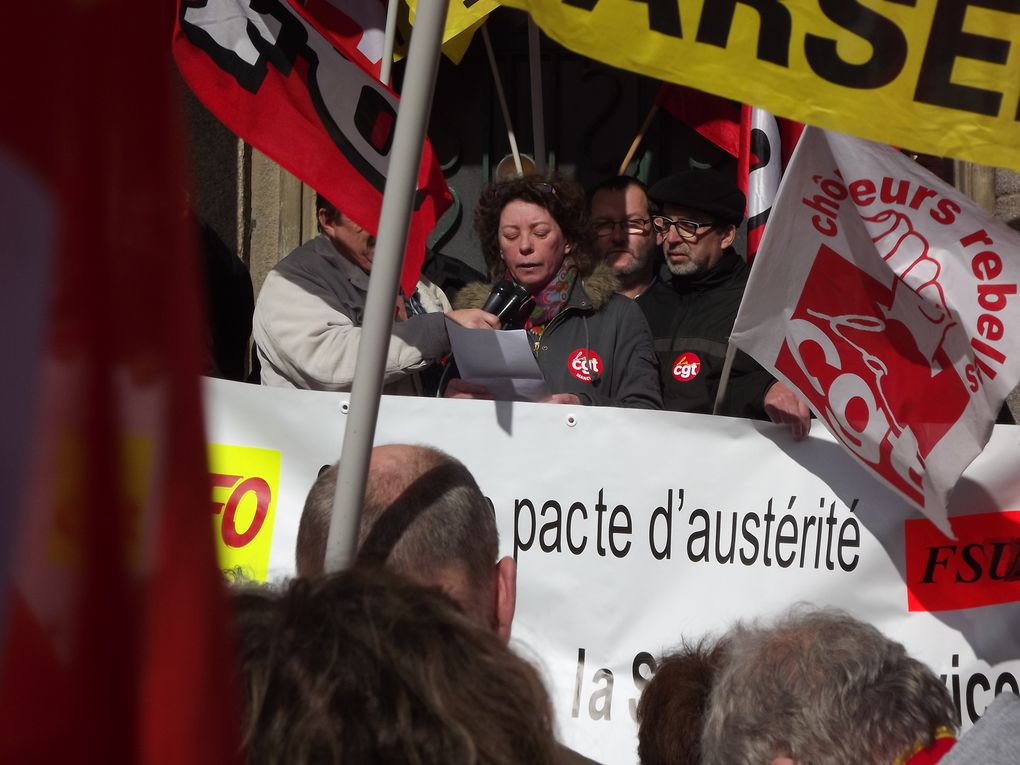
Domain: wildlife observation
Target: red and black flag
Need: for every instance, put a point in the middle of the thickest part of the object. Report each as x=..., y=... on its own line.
x=761, y=142
x=271, y=74
x=766, y=145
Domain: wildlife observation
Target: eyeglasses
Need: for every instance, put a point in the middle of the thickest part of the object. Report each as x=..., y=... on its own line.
x=630, y=226
x=686, y=229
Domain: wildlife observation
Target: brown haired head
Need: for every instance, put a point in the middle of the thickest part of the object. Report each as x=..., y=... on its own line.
x=671, y=713
x=365, y=667
x=565, y=201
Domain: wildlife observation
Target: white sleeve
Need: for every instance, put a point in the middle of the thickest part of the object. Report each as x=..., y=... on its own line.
x=312, y=344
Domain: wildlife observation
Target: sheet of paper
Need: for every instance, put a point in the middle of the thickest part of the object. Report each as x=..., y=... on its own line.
x=500, y=360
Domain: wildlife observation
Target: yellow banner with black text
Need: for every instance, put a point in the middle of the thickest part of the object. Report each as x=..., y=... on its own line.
x=463, y=19
x=935, y=76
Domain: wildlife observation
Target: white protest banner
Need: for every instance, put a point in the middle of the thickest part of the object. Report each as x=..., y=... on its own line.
x=889, y=301
x=634, y=529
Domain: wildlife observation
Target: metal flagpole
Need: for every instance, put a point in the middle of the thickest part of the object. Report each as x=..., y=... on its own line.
x=537, y=106
x=502, y=100
x=394, y=221
x=389, y=41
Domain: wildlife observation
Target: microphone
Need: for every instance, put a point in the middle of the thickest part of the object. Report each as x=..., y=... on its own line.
x=506, y=300
x=499, y=296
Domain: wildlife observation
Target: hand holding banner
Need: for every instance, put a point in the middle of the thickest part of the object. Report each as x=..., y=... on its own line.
x=881, y=294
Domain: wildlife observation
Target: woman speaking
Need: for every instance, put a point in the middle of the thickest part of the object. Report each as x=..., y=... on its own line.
x=592, y=345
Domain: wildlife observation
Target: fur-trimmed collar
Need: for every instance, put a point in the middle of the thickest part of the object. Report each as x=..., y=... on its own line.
x=599, y=285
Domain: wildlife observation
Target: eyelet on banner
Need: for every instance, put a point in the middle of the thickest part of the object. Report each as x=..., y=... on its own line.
x=571, y=420
x=345, y=407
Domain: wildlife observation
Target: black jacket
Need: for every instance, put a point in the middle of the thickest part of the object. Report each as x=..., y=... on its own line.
x=692, y=352
x=607, y=325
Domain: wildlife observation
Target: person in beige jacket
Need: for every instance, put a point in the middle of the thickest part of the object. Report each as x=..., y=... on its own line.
x=307, y=324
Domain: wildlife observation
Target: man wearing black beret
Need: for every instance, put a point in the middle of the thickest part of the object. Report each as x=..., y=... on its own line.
x=699, y=211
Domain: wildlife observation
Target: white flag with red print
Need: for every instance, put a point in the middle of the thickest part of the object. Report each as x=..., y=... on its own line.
x=889, y=300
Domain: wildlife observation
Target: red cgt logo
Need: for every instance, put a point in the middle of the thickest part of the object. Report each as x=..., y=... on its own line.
x=860, y=350
x=980, y=568
x=585, y=364
x=687, y=367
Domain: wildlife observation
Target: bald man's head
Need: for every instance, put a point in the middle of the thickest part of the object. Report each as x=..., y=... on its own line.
x=424, y=517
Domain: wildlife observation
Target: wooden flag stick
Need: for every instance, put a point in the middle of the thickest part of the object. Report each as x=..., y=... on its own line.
x=724, y=381
x=502, y=100
x=639, y=138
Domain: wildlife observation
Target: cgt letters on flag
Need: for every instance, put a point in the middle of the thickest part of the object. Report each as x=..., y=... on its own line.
x=885, y=301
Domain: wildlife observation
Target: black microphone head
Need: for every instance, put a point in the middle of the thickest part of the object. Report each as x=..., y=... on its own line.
x=519, y=297
x=499, y=296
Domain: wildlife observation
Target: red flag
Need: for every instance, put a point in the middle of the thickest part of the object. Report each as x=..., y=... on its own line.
x=766, y=144
x=273, y=78
x=356, y=27
x=761, y=143
x=714, y=117
x=114, y=637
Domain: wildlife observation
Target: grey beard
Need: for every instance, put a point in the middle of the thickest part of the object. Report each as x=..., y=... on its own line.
x=687, y=268
x=683, y=269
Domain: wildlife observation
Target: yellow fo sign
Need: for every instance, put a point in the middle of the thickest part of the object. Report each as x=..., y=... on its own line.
x=245, y=481
x=937, y=76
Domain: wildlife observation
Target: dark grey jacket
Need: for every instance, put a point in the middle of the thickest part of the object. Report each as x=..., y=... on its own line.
x=699, y=329
x=597, y=324
x=994, y=739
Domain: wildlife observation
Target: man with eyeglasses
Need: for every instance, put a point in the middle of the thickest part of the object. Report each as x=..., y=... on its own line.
x=621, y=218
x=696, y=225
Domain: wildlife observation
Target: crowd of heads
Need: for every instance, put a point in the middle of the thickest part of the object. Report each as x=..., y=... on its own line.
x=687, y=220
x=403, y=658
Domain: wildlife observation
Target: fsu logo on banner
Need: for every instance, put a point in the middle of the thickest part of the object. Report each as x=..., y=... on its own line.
x=980, y=567
x=585, y=365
